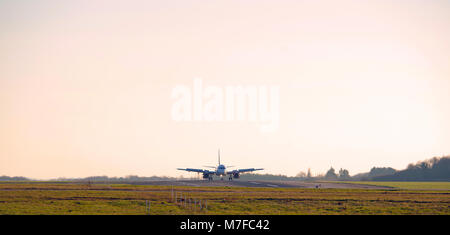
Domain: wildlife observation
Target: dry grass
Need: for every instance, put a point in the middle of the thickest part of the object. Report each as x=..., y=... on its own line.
x=64, y=198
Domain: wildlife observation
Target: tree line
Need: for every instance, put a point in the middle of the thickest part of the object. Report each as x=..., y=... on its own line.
x=434, y=169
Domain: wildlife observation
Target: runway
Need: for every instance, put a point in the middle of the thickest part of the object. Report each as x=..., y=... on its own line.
x=259, y=183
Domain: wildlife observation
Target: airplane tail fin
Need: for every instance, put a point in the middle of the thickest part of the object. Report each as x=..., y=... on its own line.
x=219, y=157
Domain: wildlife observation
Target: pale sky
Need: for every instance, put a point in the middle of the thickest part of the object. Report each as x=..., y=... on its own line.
x=85, y=86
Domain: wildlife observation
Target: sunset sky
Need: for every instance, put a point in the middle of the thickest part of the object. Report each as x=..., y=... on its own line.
x=85, y=86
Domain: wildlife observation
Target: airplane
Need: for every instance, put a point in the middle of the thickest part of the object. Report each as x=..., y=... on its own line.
x=220, y=170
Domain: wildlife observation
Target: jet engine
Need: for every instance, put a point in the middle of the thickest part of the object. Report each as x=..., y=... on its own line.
x=236, y=175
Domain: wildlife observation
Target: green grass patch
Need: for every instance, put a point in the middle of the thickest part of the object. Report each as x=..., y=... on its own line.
x=73, y=199
x=407, y=185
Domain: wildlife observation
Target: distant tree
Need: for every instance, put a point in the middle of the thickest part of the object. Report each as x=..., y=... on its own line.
x=434, y=169
x=301, y=174
x=374, y=172
x=344, y=174
x=380, y=171
x=331, y=174
x=132, y=177
x=14, y=178
x=309, y=175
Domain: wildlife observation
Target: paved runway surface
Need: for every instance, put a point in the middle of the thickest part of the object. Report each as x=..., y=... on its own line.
x=259, y=183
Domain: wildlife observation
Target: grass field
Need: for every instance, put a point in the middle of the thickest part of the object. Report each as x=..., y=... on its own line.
x=52, y=198
x=408, y=185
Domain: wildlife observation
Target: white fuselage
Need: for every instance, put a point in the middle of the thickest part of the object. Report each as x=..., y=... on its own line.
x=220, y=170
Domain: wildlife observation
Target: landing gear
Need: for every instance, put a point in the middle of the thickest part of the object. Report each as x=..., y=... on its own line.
x=230, y=178
x=221, y=178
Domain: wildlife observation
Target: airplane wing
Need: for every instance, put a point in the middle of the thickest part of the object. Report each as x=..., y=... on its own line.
x=195, y=170
x=210, y=167
x=244, y=170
